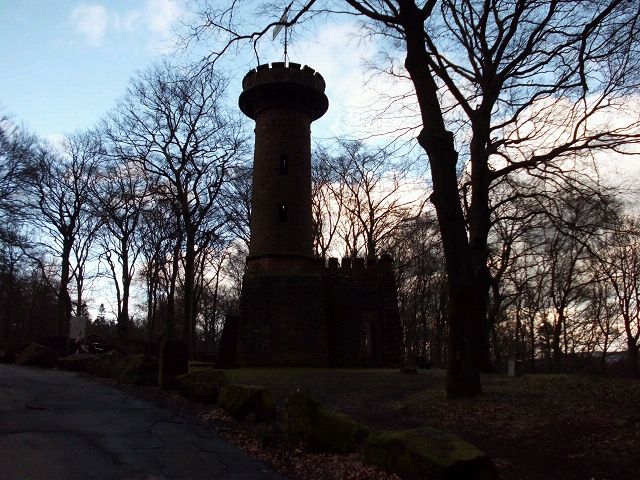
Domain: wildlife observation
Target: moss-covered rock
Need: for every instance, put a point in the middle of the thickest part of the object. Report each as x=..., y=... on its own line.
x=428, y=453
x=324, y=430
x=139, y=370
x=109, y=364
x=242, y=401
x=77, y=363
x=38, y=356
x=203, y=385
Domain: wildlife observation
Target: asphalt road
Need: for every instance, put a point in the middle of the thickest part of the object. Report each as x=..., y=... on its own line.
x=58, y=425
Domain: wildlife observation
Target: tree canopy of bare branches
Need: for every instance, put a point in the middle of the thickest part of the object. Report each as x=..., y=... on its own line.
x=175, y=127
x=534, y=82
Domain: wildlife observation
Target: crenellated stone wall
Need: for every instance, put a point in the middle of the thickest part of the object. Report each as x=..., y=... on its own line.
x=339, y=315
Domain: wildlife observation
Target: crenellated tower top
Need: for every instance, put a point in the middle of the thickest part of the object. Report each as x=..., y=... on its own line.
x=278, y=84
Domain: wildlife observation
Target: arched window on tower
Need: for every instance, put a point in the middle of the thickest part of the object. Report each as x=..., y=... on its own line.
x=282, y=212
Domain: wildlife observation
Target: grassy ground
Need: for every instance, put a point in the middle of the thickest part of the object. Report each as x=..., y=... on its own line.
x=534, y=427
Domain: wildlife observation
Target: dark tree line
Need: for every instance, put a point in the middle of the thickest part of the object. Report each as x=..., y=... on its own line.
x=145, y=192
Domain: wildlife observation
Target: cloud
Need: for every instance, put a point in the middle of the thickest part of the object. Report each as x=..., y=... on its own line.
x=91, y=21
x=152, y=21
x=128, y=21
x=160, y=17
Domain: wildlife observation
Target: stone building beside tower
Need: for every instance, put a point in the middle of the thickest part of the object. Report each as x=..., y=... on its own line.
x=296, y=309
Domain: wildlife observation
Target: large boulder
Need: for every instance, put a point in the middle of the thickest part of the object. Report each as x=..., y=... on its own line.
x=139, y=370
x=108, y=364
x=173, y=361
x=428, y=453
x=38, y=356
x=322, y=429
x=242, y=401
x=202, y=386
x=77, y=363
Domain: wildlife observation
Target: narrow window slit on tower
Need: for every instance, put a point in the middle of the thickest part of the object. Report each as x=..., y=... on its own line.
x=284, y=165
x=282, y=212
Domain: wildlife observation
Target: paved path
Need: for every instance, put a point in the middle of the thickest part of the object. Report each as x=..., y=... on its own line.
x=57, y=425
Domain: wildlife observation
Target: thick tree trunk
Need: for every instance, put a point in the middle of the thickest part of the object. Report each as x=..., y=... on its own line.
x=151, y=318
x=171, y=294
x=189, y=290
x=123, y=320
x=465, y=318
x=64, y=298
x=632, y=357
x=555, y=344
x=479, y=222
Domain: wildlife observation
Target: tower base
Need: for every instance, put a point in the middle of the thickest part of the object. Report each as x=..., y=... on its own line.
x=334, y=316
x=281, y=318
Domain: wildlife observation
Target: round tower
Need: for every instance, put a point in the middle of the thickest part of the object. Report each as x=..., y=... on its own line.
x=283, y=100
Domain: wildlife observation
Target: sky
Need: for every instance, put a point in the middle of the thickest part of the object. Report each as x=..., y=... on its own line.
x=66, y=62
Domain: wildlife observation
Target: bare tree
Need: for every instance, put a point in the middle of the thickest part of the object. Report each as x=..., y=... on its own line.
x=59, y=191
x=421, y=281
x=326, y=191
x=159, y=242
x=622, y=268
x=118, y=197
x=17, y=150
x=362, y=199
x=603, y=306
x=236, y=203
x=176, y=128
x=532, y=80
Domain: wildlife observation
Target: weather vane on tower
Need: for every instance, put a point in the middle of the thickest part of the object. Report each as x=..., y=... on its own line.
x=278, y=28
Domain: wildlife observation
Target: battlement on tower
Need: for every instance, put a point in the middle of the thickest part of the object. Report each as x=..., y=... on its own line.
x=283, y=86
x=359, y=265
x=278, y=72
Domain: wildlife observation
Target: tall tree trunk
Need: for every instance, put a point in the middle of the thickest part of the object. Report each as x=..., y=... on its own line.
x=189, y=289
x=555, y=344
x=123, y=318
x=632, y=357
x=479, y=225
x=151, y=318
x=171, y=294
x=532, y=343
x=64, y=299
x=464, y=314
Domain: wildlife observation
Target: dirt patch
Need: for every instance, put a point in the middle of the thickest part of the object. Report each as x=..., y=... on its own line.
x=534, y=427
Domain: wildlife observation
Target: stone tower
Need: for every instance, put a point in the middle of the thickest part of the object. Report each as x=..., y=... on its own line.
x=295, y=310
x=283, y=101
x=281, y=305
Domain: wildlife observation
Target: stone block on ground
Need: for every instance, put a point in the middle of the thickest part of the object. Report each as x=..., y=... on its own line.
x=77, y=363
x=109, y=364
x=428, y=453
x=322, y=429
x=139, y=370
x=38, y=356
x=242, y=401
x=202, y=386
x=173, y=361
